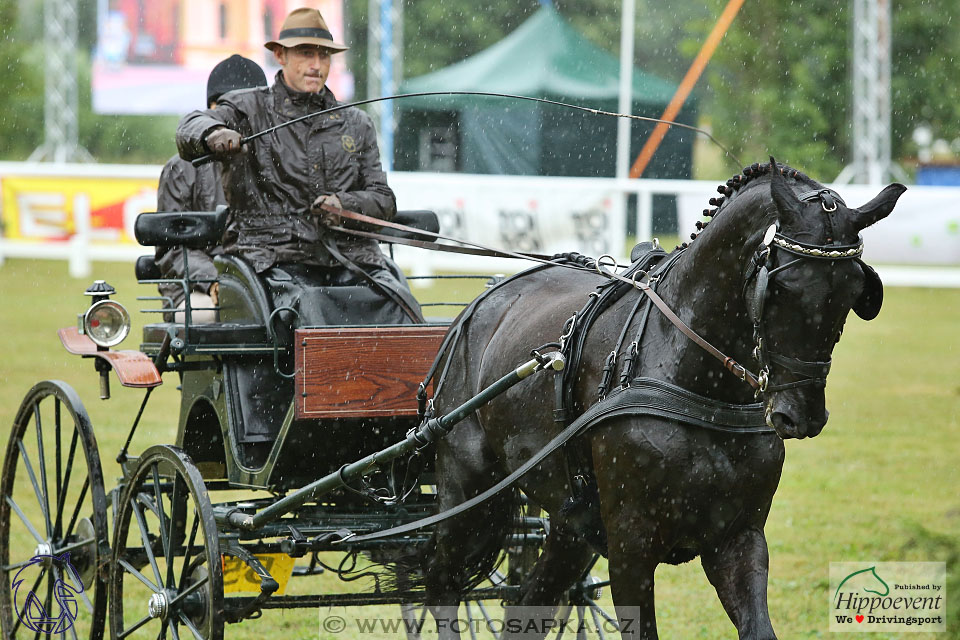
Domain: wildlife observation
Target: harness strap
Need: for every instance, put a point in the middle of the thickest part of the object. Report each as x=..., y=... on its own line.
x=611, y=363
x=628, y=368
x=644, y=396
x=729, y=363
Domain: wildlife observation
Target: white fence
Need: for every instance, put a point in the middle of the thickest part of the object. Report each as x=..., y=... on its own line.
x=83, y=213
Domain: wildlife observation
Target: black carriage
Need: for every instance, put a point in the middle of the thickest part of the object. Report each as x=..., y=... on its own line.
x=277, y=414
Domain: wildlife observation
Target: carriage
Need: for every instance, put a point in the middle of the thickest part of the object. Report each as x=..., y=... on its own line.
x=289, y=444
x=678, y=456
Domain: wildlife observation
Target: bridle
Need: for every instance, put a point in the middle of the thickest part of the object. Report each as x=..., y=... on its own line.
x=756, y=286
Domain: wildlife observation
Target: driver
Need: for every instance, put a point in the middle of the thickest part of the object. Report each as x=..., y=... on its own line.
x=272, y=183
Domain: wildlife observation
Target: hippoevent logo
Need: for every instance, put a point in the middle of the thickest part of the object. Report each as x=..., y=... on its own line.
x=54, y=610
x=888, y=596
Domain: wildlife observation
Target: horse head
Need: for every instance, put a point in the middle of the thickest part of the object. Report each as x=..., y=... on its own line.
x=805, y=276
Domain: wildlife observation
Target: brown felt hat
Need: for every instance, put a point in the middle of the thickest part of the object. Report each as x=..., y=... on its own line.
x=305, y=26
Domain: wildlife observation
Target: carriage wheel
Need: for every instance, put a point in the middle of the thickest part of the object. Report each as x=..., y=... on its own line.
x=53, y=520
x=167, y=579
x=582, y=602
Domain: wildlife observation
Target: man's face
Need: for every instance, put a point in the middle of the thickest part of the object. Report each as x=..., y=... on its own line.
x=305, y=67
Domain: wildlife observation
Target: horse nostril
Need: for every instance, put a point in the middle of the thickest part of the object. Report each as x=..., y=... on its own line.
x=784, y=424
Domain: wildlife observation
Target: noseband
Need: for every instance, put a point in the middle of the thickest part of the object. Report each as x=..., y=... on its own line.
x=758, y=280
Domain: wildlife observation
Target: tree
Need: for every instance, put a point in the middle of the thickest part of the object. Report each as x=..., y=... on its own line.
x=780, y=81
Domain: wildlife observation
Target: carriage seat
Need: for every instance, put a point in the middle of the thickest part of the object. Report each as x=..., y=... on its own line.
x=192, y=229
x=418, y=219
x=245, y=304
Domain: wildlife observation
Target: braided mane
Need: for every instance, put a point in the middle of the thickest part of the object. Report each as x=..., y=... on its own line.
x=738, y=182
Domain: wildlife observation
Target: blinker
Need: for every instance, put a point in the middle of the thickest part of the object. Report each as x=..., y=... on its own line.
x=770, y=233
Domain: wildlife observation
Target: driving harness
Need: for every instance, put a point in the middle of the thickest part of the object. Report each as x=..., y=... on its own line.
x=643, y=396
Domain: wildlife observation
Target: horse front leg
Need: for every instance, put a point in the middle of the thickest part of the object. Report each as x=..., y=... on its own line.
x=631, y=582
x=738, y=571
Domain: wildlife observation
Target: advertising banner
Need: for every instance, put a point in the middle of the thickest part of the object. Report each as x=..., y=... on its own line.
x=51, y=208
x=154, y=57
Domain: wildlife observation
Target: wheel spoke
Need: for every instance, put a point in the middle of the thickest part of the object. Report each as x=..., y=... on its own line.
x=75, y=545
x=139, y=623
x=76, y=509
x=596, y=608
x=79, y=588
x=48, y=601
x=188, y=551
x=62, y=498
x=193, y=629
x=173, y=629
x=564, y=617
x=144, y=535
x=33, y=481
x=586, y=572
x=486, y=616
x=183, y=594
x=33, y=589
x=175, y=499
x=20, y=514
x=596, y=622
x=16, y=565
x=469, y=612
x=139, y=576
x=86, y=600
x=43, y=469
x=59, y=460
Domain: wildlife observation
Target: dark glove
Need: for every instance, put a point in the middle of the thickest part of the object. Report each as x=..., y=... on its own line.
x=223, y=142
x=326, y=217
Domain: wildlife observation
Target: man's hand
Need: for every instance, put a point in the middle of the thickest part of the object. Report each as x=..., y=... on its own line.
x=214, y=293
x=223, y=142
x=327, y=218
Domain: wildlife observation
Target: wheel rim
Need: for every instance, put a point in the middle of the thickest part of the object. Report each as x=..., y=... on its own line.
x=53, y=522
x=167, y=579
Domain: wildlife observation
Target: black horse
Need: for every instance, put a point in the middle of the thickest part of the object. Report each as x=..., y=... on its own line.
x=667, y=490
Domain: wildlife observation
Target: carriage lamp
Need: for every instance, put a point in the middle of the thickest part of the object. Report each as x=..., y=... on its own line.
x=106, y=323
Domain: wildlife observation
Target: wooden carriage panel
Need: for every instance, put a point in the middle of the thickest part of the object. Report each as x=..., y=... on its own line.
x=358, y=372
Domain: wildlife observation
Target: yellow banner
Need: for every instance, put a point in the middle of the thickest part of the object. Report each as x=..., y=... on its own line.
x=53, y=208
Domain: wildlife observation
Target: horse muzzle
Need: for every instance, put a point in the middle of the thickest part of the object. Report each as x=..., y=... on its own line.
x=789, y=420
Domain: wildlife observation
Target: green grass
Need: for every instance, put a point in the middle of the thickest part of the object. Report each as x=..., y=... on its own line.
x=880, y=483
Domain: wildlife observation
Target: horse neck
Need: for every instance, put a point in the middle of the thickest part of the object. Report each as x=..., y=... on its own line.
x=705, y=290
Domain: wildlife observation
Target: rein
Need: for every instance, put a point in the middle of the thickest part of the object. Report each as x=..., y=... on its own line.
x=814, y=372
x=471, y=248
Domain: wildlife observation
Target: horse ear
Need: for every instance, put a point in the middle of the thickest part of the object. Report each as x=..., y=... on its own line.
x=878, y=208
x=783, y=196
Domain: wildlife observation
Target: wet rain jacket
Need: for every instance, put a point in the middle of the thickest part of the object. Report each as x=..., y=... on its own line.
x=185, y=188
x=271, y=185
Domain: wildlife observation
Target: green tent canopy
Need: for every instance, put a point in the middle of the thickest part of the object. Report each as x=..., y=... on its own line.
x=544, y=58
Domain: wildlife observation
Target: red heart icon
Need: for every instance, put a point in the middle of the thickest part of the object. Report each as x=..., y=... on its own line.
x=859, y=618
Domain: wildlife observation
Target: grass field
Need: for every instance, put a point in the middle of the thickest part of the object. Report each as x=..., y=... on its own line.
x=882, y=483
